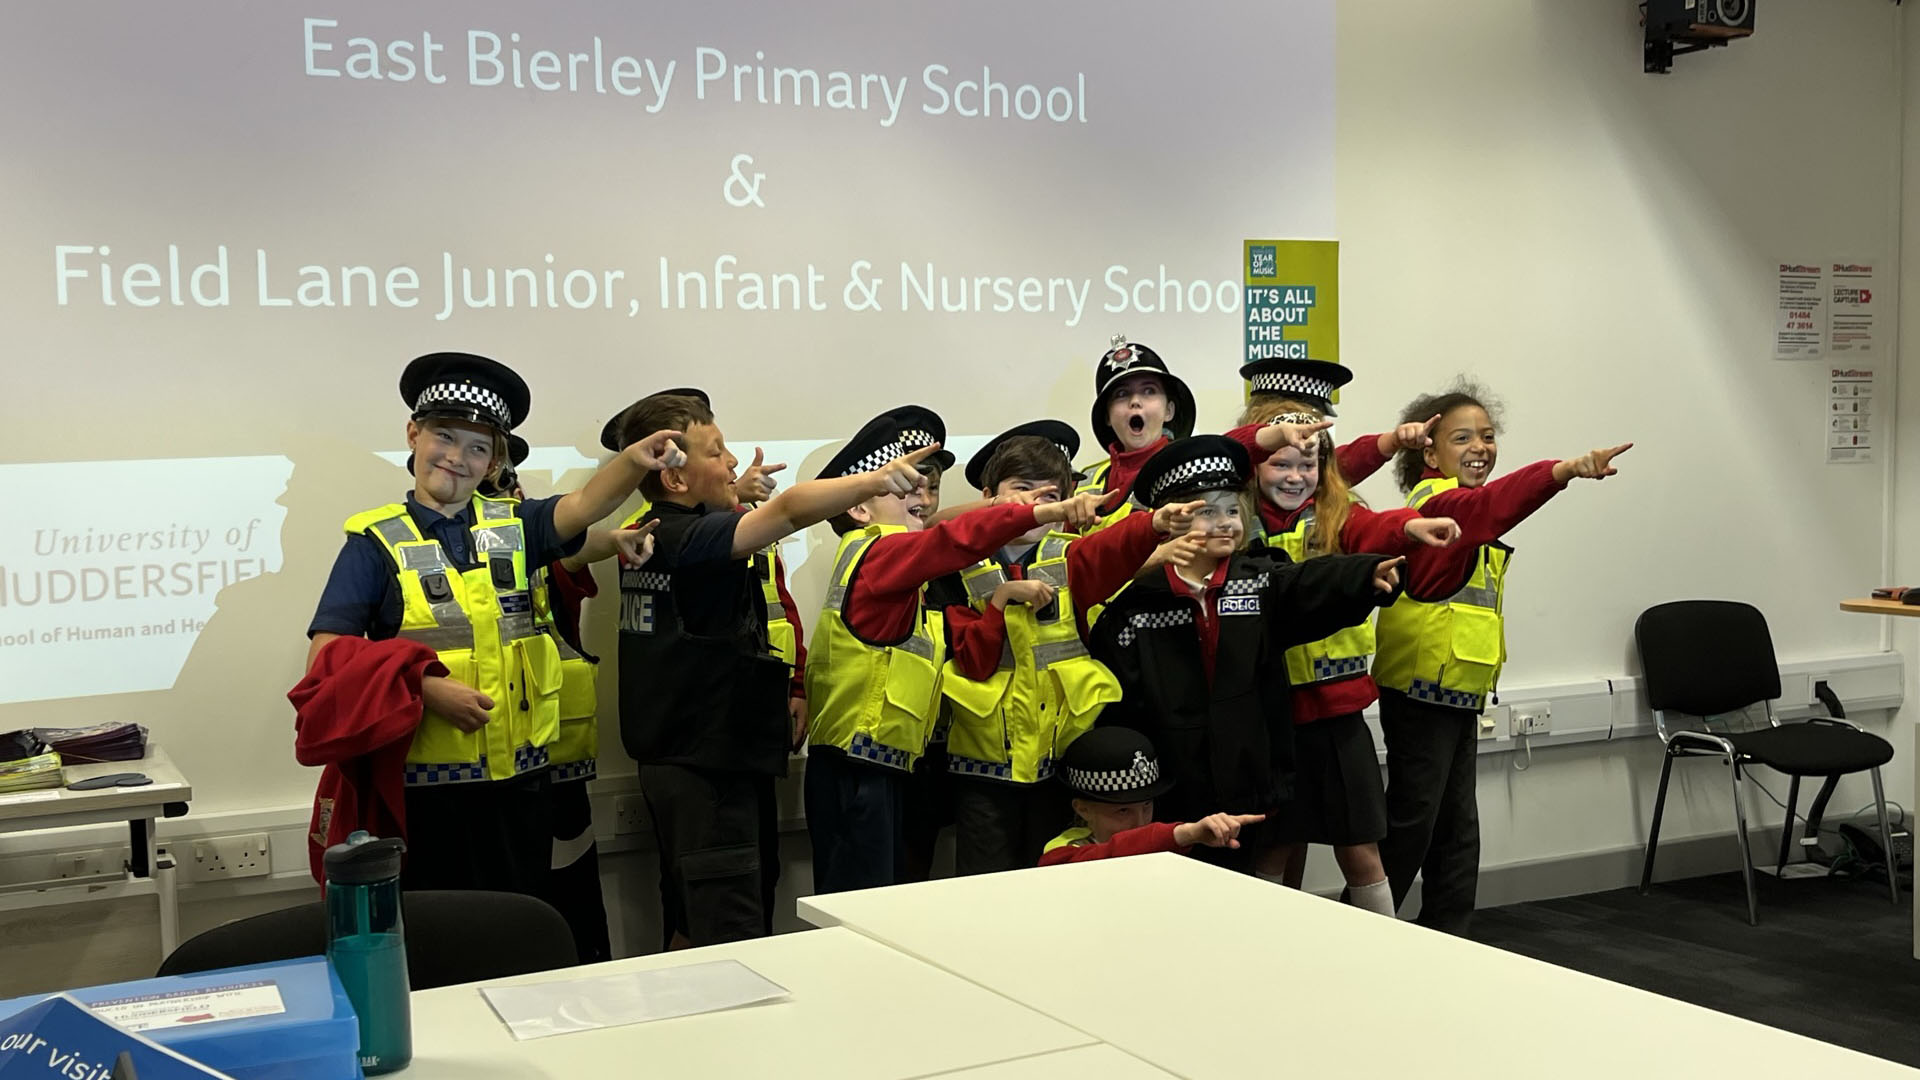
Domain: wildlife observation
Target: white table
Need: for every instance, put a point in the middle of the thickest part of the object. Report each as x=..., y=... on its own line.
x=147, y=872
x=858, y=1009
x=1098, y=1062
x=1207, y=973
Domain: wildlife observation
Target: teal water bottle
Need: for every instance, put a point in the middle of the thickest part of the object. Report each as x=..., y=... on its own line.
x=367, y=946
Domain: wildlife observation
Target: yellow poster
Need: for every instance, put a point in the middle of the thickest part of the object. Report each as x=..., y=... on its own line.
x=1292, y=299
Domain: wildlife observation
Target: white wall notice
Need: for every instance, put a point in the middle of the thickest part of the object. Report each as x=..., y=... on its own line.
x=1800, y=319
x=1853, y=309
x=1850, y=416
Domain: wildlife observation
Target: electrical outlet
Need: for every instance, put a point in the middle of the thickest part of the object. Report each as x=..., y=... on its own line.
x=629, y=815
x=1493, y=721
x=1532, y=718
x=229, y=857
x=79, y=864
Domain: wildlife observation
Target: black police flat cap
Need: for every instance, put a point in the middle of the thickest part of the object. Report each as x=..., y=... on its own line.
x=610, y=433
x=1309, y=381
x=1113, y=765
x=465, y=386
x=1190, y=466
x=894, y=433
x=1056, y=432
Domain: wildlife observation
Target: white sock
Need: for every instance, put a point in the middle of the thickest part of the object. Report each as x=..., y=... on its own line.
x=1377, y=897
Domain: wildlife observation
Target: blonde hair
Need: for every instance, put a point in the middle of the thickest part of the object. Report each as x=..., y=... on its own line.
x=1333, y=498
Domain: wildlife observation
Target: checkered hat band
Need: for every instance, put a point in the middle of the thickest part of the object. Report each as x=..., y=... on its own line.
x=1188, y=471
x=1287, y=382
x=878, y=457
x=1141, y=773
x=467, y=394
x=914, y=440
x=1064, y=452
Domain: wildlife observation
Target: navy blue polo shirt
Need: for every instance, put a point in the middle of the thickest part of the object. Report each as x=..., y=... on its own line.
x=362, y=597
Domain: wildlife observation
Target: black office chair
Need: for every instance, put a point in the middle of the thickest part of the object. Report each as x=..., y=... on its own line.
x=1713, y=660
x=452, y=937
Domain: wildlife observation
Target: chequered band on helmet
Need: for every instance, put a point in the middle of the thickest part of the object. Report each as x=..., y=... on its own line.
x=478, y=398
x=1140, y=773
x=914, y=440
x=1287, y=382
x=1203, y=468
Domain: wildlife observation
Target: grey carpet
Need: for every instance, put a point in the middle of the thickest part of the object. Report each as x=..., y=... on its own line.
x=1832, y=959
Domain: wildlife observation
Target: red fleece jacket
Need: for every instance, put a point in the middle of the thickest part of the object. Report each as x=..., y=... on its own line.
x=355, y=713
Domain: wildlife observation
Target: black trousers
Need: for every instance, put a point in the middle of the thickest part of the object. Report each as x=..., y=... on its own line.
x=856, y=816
x=484, y=834
x=1004, y=826
x=574, y=889
x=929, y=808
x=719, y=851
x=1433, y=808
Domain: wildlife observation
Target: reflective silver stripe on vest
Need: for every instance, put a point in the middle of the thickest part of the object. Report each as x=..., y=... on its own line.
x=423, y=557
x=837, y=592
x=1052, y=547
x=395, y=531
x=917, y=645
x=980, y=586
x=442, y=638
x=496, y=510
x=498, y=538
x=515, y=627
x=1054, y=652
x=1477, y=596
x=1054, y=575
x=1421, y=493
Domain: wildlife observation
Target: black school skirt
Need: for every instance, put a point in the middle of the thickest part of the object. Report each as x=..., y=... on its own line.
x=1338, y=797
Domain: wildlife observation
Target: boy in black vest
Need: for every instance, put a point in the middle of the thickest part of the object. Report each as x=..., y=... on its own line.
x=703, y=698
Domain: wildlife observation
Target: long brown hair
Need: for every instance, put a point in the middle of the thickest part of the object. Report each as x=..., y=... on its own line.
x=1333, y=499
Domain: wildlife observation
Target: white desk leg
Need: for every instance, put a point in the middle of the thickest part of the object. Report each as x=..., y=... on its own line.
x=163, y=877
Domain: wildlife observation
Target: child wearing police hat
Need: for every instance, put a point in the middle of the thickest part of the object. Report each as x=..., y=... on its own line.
x=705, y=696
x=1198, y=648
x=1307, y=510
x=1441, y=646
x=1279, y=384
x=428, y=632
x=1138, y=406
x=874, y=681
x=1113, y=777
x=1019, y=683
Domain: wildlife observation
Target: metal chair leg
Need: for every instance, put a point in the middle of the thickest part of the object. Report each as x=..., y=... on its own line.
x=1746, y=854
x=1886, y=836
x=1653, y=834
x=1786, y=827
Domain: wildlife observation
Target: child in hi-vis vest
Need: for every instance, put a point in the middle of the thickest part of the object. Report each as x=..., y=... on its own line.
x=1307, y=510
x=1019, y=682
x=1440, y=647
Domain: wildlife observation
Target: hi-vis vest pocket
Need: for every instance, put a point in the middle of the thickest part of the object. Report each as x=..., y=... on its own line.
x=912, y=698
x=436, y=740
x=579, y=698
x=1085, y=687
x=1476, y=635
x=540, y=666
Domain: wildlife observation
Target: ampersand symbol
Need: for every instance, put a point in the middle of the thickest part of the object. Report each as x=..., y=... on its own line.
x=739, y=190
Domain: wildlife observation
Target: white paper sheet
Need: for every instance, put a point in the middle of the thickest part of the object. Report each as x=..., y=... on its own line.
x=556, y=1008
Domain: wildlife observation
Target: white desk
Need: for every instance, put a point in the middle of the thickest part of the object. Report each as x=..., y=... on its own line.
x=1098, y=1062
x=146, y=873
x=858, y=1009
x=1206, y=973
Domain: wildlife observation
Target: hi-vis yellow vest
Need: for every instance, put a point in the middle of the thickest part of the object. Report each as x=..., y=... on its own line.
x=1342, y=656
x=877, y=703
x=1096, y=484
x=1447, y=652
x=482, y=624
x=575, y=752
x=1047, y=691
x=782, y=637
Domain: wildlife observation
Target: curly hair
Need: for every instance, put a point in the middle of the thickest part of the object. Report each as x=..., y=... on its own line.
x=1408, y=466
